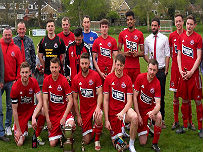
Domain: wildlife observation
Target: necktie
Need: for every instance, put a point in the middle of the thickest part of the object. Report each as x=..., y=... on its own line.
x=22, y=50
x=155, y=36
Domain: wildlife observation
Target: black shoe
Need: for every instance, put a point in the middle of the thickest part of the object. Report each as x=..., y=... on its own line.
x=181, y=130
x=156, y=147
x=175, y=125
x=4, y=138
x=200, y=133
x=191, y=126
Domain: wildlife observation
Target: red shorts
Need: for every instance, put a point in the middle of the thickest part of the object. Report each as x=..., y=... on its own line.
x=190, y=89
x=175, y=74
x=56, y=132
x=116, y=126
x=132, y=73
x=23, y=119
x=143, y=129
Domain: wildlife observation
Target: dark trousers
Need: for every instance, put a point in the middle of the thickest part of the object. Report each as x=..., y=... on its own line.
x=162, y=78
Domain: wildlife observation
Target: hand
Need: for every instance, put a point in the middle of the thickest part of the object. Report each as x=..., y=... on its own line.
x=150, y=114
x=103, y=75
x=63, y=121
x=140, y=121
x=18, y=133
x=49, y=125
x=108, y=125
x=183, y=73
x=97, y=113
x=68, y=78
x=120, y=115
x=135, y=54
x=166, y=73
x=127, y=53
x=1, y=85
x=34, y=123
x=188, y=75
x=79, y=119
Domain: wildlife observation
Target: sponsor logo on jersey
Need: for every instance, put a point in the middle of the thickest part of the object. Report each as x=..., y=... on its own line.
x=118, y=95
x=187, y=51
x=146, y=99
x=109, y=44
x=123, y=85
x=91, y=82
x=176, y=48
x=135, y=37
x=50, y=87
x=113, y=83
x=142, y=86
x=26, y=100
x=30, y=91
x=55, y=45
x=59, y=88
x=12, y=53
x=192, y=42
x=56, y=98
x=80, y=83
x=105, y=52
x=131, y=45
x=87, y=93
x=91, y=39
x=152, y=90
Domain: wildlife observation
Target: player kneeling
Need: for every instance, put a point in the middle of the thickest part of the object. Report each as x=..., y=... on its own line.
x=57, y=102
x=147, y=96
x=22, y=96
x=118, y=95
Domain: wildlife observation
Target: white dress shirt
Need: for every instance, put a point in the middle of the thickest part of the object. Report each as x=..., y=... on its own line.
x=162, y=48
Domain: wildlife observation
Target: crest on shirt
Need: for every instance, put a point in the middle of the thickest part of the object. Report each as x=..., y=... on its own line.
x=109, y=44
x=91, y=38
x=192, y=42
x=152, y=90
x=55, y=45
x=30, y=91
x=12, y=53
x=71, y=54
x=80, y=83
x=123, y=85
x=59, y=88
x=91, y=82
x=135, y=37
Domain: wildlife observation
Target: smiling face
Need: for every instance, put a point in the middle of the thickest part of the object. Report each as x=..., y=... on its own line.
x=119, y=68
x=190, y=25
x=25, y=74
x=7, y=36
x=152, y=71
x=179, y=22
x=54, y=68
x=50, y=28
x=21, y=30
x=84, y=64
x=65, y=26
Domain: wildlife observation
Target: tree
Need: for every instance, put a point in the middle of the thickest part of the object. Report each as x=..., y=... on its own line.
x=112, y=16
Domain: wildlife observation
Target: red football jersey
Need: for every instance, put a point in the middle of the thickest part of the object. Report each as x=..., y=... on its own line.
x=188, y=46
x=104, y=48
x=24, y=95
x=57, y=92
x=131, y=40
x=117, y=88
x=67, y=38
x=173, y=39
x=86, y=88
x=147, y=92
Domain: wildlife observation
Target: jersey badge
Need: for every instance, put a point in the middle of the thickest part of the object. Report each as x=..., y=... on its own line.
x=135, y=37
x=55, y=45
x=109, y=44
x=123, y=85
x=113, y=83
x=91, y=82
x=192, y=42
x=91, y=38
x=12, y=53
x=50, y=87
x=59, y=88
x=152, y=90
x=142, y=86
x=30, y=91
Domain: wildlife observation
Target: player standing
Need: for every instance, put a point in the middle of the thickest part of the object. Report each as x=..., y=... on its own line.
x=105, y=50
x=118, y=95
x=189, y=87
x=57, y=102
x=87, y=84
x=23, y=105
x=131, y=38
x=147, y=98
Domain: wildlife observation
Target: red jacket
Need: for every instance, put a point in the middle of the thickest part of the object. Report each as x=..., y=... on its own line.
x=12, y=60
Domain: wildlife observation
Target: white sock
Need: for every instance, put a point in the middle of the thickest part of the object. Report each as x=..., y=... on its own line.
x=131, y=142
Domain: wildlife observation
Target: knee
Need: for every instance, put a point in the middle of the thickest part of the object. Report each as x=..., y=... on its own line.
x=142, y=142
x=198, y=102
x=53, y=143
x=134, y=119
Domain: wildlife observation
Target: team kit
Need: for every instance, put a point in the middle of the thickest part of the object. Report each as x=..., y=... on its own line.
x=87, y=77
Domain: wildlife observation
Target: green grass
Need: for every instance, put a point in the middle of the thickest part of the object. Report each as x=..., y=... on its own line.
x=169, y=140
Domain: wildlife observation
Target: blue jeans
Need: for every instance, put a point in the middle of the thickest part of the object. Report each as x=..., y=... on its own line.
x=1, y=117
x=7, y=87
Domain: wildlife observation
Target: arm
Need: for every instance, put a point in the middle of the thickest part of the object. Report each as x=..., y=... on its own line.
x=40, y=55
x=122, y=52
x=167, y=59
x=19, y=60
x=62, y=57
x=182, y=73
x=115, y=53
x=167, y=56
x=106, y=111
x=156, y=108
x=46, y=110
x=139, y=53
x=146, y=51
x=135, y=96
x=68, y=109
x=37, y=110
x=75, y=102
x=15, y=116
x=33, y=57
x=99, y=102
x=97, y=67
x=1, y=68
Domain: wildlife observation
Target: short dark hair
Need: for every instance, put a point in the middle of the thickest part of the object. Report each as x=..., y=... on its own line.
x=86, y=16
x=104, y=22
x=49, y=21
x=178, y=14
x=192, y=18
x=66, y=19
x=8, y=28
x=121, y=58
x=157, y=20
x=153, y=62
x=55, y=60
x=21, y=22
x=25, y=65
x=78, y=32
x=85, y=55
x=129, y=13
